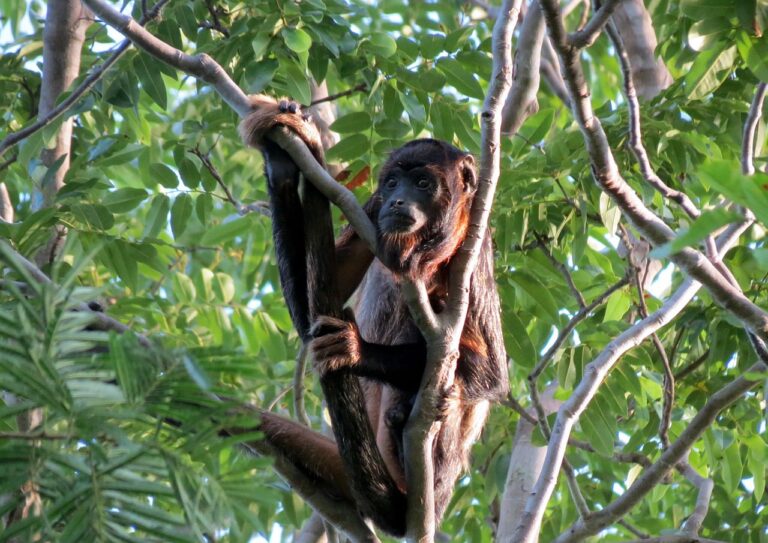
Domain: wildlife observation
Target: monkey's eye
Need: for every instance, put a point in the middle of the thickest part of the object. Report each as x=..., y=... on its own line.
x=423, y=184
x=390, y=183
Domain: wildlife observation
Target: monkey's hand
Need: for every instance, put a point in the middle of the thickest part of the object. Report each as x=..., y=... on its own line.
x=268, y=113
x=337, y=344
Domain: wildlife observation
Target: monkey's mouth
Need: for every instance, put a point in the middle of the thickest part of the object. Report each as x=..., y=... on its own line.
x=397, y=223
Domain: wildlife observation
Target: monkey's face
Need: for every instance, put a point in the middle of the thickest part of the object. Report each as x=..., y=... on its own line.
x=410, y=199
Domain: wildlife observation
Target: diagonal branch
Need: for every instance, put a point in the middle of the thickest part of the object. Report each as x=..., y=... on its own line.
x=594, y=374
x=591, y=31
x=75, y=95
x=203, y=67
x=719, y=401
x=606, y=174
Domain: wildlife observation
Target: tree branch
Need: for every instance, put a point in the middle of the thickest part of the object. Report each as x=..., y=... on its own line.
x=521, y=102
x=594, y=374
x=591, y=31
x=442, y=349
x=750, y=127
x=606, y=174
x=73, y=97
x=674, y=453
x=205, y=68
x=635, y=132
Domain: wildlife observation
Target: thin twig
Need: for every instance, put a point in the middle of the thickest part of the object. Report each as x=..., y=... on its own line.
x=564, y=271
x=215, y=23
x=629, y=458
x=300, y=410
x=8, y=162
x=633, y=530
x=668, y=384
x=513, y=404
x=572, y=323
x=205, y=159
x=692, y=366
x=362, y=87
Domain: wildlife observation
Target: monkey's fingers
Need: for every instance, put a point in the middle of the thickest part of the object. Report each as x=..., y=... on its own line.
x=325, y=325
x=288, y=106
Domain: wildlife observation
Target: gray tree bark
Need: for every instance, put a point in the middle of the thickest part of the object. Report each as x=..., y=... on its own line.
x=649, y=73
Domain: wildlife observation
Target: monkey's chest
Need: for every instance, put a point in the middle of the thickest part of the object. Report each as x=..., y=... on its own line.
x=381, y=312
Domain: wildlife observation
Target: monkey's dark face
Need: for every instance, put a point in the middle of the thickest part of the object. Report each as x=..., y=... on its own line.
x=422, y=203
x=409, y=199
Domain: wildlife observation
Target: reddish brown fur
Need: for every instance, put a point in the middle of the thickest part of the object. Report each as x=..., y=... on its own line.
x=267, y=115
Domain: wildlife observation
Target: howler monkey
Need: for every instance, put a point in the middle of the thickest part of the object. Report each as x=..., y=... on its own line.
x=421, y=213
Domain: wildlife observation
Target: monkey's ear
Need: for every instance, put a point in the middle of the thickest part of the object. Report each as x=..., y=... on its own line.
x=468, y=173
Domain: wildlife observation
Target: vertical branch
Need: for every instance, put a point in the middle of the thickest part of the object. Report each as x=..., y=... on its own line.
x=443, y=344
x=64, y=32
x=750, y=127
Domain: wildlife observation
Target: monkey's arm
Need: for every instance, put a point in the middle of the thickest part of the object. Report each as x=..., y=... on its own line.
x=337, y=344
x=353, y=258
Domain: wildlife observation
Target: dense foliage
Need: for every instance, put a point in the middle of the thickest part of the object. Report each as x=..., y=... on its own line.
x=128, y=451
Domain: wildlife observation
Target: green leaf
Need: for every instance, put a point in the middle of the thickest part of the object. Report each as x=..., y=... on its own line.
x=297, y=40
x=732, y=467
x=259, y=75
x=180, y=213
x=353, y=122
x=203, y=207
x=350, y=148
x=224, y=287
x=457, y=76
x=709, y=70
x=757, y=469
x=701, y=9
x=519, y=345
x=538, y=292
x=164, y=175
x=187, y=21
x=226, y=231
x=94, y=215
x=190, y=174
x=151, y=79
x=274, y=346
x=157, y=217
x=754, y=53
x=725, y=178
x=703, y=34
x=383, y=45
x=119, y=257
x=700, y=228
x=183, y=288
x=617, y=306
x=596, y=425
x=297, y=82
x=124, y=200
x=609, y=213
x=432, y=45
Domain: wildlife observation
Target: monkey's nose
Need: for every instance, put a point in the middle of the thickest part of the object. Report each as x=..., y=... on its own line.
x=398, y=203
